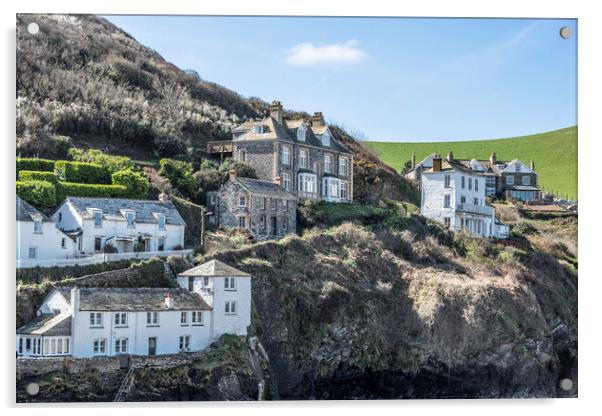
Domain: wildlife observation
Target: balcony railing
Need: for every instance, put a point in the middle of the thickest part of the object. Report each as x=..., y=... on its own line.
x=485, y=210
x=99, y=258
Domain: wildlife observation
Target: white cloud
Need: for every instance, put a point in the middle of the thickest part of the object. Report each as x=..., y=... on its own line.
x=308, y=54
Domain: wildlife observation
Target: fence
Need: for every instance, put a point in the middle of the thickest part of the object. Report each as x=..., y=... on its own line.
x=99, y=258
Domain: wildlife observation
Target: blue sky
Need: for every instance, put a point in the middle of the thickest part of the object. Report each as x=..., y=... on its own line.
x=393, y=79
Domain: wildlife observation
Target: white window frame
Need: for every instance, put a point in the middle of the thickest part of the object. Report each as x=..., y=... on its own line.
x=343, y=166
x=286, y=155
x=344, y=193
x=326, y=138
x=447, y=201
x=152, y=318
x=285, y=205
x=159, y=240
x=528, y=180
x=328, y=163
x=306, y=179
x=242, y=201
x=510, y=180
x=242, y=219
x=38, y=226
x=120, y=319
x=184, y=343
x=286, y=181
x=32, y=253
x=301, y=132
x=230, y=307
x=258, y=129
x=197, y=318
x=121, y=345
x=303, y=158
x=162, y=222
x=96, y=319
x=229, y=283
x=97, y=216
x=446, y=180
x=273, y=204
x=130, y=214
x=184, y=318
x=99, y=346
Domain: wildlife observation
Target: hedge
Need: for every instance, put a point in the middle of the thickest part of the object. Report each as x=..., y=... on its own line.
x=38, y=193
x=65, y=189
x=136, y=184
x=43, y=165
x=82, y=172
x=32, y=175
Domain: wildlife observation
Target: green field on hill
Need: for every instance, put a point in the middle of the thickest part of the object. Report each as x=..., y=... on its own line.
x=554, y=153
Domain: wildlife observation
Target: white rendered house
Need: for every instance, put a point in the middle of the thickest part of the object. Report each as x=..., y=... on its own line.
x=213, y=299
x=128, y=225
x=454, y=195
x=38, y=240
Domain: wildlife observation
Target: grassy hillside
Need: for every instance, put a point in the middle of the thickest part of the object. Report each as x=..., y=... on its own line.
x=554, y=153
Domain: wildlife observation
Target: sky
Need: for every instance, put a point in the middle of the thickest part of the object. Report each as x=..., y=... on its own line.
x=388, y=79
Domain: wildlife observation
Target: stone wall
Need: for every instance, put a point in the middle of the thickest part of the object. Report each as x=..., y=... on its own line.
x=261, y=156
x=39, y=366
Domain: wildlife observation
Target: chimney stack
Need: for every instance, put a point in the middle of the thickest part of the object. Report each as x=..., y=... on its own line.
x=163, y=197
x=232, y=175
x=493, y=158
x=413, y=160
x=276, y=111
x=74, y=300
x=450, y=156
x=317, y=120
x=533, y=165
x=437, y=163
x=169, y=301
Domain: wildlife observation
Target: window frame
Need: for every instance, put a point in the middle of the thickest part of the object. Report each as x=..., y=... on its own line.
x=99, y=346
x=230, y=284
x=120, y=319
x=130, y=214
x=97, y=216
x=303, y=158
x=343, y=166
x=121, y=345
x=230, y=307
x=184, y=343
x=286, y=155
x=38, y=226
x=509, y=180
x=327, y=163
x=447, y=201
x=35, y=253
x=197, y=318
x=162, y=221
x=96, y=320
x=184, y=318
x=242, y=219
x=154, y=319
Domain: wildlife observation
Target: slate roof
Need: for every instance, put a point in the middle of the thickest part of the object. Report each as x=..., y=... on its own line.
x=26, y=212
x=112, y=208
x=135, y=299
x=287, y=132
x=214, y=268
x=259, y=187
x=453, y=165
x=48, y=324
x=523, y=188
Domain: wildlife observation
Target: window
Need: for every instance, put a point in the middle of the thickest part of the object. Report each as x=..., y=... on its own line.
x=462, y=199
x=470, y=184
x=28, y=344
x=307, y=183
x=230, y=307
x=120, y=319
x=475, y=201
x=446, y=201
x=190, y=283
x=262, y=222
x=285, y=224
x=66, y=349
x=33, y=253
x=60, y=216
x=286, y=155
x=447, y=179
x=243, y=155
x=343, y=166
x=185, y=343
x=161, y=219
x=344, y=190
x=285, y=205
x=211, y=199
x=229, y=283
x=130, y=216
x=97, y=218
x=197, y=317
x=121, y=345
x=97, y=243
x=63, y=243
x=463, y=182
x=258, y=129
x=326, y=138
x=152, y=319
x=96, y=319
x=100, y=346
x=161, y=244
x=242, y=201
x=303, y=158
x=262, y=202
x=59, y=345
x=273, y=204
x=184, y=318
x=509, y=180
x=242, y=222
x=447, y=221
x=476, y=184
x=205, y=282
x=301, y=133
x=526, y=180
x=20, y=345
x=286, y=181
x=517, y=167
x=37, y=226
x=327, y=163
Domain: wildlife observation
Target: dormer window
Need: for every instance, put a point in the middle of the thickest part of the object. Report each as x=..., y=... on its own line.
x=131, y=218
x=517, y=167
x=258, y=129
x=301, y=132
x=326, y=138
x=161, y=221
x=97, y=218
x=37, y=226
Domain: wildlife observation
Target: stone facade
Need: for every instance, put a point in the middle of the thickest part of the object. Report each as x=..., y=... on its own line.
x=261, y=207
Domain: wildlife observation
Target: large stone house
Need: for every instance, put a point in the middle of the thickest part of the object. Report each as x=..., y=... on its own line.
x=301, y=154
x=212, y=299
x=38, y=240
x=509, y=179
x=454, y=195
x=264, y=208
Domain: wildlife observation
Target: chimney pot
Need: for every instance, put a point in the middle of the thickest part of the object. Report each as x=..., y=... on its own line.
x=232, y=175
x=163, y=197
x=493, y=158
x=276, y=111
x=437, y=163
x=317, y=120
x=169, y=301
x=450, y=155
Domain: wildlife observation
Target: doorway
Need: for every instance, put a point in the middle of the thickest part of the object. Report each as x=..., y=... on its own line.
x=273, y=226
x=152, y=345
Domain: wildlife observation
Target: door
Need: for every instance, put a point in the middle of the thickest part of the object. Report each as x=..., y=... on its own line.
x=152, y=346
x=273, y=226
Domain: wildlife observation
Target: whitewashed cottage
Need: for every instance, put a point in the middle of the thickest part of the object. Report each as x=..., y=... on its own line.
x=454, y=195
x=212, y=299
x=38, y=240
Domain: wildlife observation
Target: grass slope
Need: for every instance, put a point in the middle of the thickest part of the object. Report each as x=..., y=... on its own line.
x=554, y=153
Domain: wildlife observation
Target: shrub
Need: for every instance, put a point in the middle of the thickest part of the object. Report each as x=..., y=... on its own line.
x=243, y=170
x=525, y=228
x=81, y=172
x=110, y=163
x=109, y=249
x=62, y=145
x=169, y=146
x=179, y=174
x=136, y=184
x=208, y=164
x=209, y=180
x=38, y=193
x=65, y=189
x=36, y=164
x=32, y=175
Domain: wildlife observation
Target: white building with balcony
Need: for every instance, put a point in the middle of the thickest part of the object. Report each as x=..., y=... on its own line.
x=454, y=195
x=213, y=299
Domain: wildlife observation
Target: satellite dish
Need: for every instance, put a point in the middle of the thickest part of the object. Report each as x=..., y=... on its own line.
x=565, y=32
